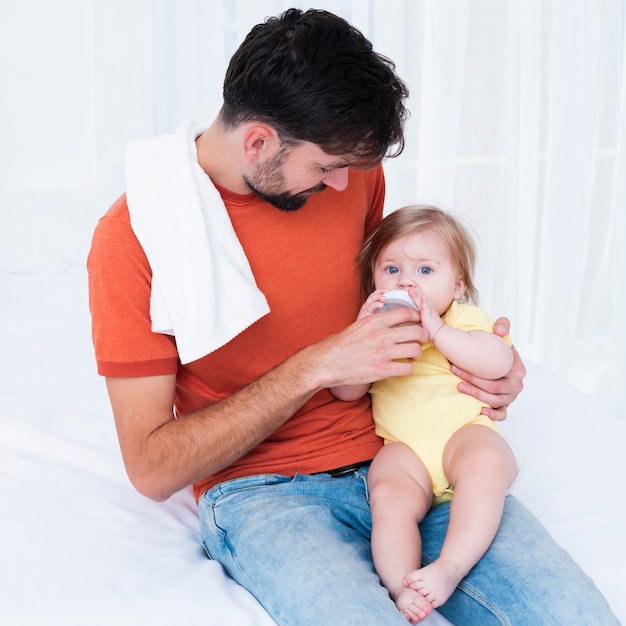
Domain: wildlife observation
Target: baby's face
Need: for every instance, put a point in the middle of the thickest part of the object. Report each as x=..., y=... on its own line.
x=420, y=261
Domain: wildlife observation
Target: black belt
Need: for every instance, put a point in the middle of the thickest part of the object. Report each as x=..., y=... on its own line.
x=346, y=469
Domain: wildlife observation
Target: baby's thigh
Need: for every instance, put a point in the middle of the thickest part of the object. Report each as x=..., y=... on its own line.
x=481, y=451
x=398, y=474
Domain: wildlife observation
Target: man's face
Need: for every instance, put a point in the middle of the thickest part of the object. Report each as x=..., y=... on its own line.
x=289, y=177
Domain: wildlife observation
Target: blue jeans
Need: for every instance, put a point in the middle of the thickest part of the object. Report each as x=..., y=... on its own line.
x=301, y=547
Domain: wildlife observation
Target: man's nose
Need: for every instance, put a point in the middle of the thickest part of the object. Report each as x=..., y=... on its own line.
x=337, y=178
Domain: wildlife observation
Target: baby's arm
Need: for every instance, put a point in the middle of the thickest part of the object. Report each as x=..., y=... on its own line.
x=354, y=392
x=479, y=352
x=347, y=393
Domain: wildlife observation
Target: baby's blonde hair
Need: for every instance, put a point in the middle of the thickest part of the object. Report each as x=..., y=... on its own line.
x=419, y=218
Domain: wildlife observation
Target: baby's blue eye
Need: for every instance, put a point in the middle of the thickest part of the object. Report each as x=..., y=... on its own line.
x=392, y=270
x=425, y=270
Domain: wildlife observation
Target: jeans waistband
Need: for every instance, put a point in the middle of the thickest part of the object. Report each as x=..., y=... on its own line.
x=346, y=469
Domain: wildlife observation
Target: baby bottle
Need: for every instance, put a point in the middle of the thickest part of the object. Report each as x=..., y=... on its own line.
x=395, y=299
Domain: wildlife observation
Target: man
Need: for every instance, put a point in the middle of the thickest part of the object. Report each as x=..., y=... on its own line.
x=278, y=465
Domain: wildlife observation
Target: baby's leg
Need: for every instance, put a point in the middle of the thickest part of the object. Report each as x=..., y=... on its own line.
x=481, y=467
x=400, y=495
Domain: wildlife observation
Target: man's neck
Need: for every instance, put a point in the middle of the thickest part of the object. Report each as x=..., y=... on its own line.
x=219, y=158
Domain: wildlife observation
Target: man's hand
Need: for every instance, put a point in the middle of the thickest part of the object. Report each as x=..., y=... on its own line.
x=498, y=394
x=372, y=348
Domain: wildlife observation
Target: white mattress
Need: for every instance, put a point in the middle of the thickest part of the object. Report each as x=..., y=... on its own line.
x=79, y=546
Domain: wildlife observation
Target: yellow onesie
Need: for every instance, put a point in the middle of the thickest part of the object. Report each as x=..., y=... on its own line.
x=424, y=410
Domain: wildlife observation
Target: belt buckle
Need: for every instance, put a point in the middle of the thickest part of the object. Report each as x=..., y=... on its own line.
x=342, y=471
x=346, y=469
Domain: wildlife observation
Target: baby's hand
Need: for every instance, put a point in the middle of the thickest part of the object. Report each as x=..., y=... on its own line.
x=431, y=321
x=374, y=302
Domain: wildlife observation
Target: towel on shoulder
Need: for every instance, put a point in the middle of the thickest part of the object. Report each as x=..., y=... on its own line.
x=182, y=224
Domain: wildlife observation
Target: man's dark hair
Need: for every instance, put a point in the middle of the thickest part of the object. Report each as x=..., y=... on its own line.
x=316, y=78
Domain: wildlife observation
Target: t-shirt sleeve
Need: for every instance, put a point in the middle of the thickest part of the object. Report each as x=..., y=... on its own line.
x=375, y=212
x=468, y=317
x=119, y=301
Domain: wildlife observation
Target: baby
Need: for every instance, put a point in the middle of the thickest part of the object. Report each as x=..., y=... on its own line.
x=437, y=440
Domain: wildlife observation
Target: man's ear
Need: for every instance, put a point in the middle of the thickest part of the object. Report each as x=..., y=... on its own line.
x=259, y=140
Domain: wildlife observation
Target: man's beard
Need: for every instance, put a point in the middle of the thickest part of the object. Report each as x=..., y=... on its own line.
x=270, y=176
x=286, y=201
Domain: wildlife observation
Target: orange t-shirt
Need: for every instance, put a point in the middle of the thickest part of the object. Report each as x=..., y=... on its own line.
x=304, y=262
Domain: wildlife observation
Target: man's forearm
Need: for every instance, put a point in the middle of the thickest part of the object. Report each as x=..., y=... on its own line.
x=180, y=452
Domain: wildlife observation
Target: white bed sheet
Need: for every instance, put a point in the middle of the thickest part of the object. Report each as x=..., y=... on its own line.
x=79, y=546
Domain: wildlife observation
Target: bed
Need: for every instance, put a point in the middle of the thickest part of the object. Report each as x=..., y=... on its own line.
x=80, y=546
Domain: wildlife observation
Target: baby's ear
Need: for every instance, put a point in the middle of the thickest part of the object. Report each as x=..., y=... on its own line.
x=459, y=288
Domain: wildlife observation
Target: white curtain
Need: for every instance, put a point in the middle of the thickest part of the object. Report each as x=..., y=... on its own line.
x=518, y=124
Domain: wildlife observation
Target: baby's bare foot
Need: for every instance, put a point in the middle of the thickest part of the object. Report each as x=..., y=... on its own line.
x=412, y=605
x=436, y=582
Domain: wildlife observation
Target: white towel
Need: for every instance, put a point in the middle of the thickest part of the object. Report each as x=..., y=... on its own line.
x=203, y=290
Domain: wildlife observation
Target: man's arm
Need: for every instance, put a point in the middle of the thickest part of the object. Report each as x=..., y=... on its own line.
x=163, y=454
